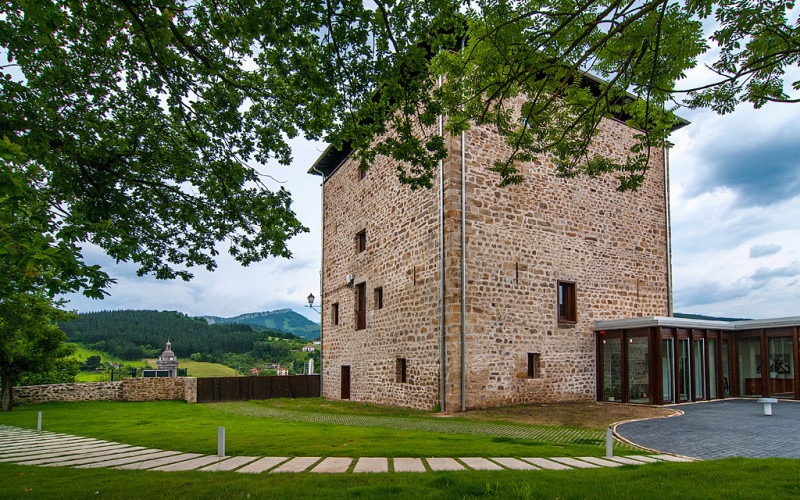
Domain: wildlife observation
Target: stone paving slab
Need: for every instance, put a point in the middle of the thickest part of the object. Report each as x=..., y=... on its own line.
x=372, y=464
x=333, y=465
x=574, y=463
x=190, y=464
x=74, y=456
x=671, y=458
x=643, y=458
x=478, y=463
x=265, y=463
x=601, y=462
x=229, y=463
x=297, y=464
x=545, y=463
x=513, y=463
x=56, y=453
x=93, y=458
x=438, y=464
x=146, y=455
x=38, y=443
x=408, y=465
x=56, y=450
x=624, y=461
x=149, y=464
x=98, y=455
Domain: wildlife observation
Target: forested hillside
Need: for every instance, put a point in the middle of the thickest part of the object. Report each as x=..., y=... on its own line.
x=284, y=320
x=140, y=334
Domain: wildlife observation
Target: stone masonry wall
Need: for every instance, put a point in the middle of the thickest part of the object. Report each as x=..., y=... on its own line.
x=131, y=389
x=520, y=241
x=401, y=259
x=68, y=393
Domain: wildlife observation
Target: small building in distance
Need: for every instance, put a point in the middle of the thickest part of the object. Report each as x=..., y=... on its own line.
x=308, y=348
x=168, y=361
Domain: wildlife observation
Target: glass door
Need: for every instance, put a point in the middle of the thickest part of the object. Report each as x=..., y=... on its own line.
x=684, y=370
x=712, y=369
x=699, y=369
x=668, y=370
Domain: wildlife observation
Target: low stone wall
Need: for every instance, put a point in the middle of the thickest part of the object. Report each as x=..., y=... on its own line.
x=160, y=389
x=130, y=389
x=70, y=393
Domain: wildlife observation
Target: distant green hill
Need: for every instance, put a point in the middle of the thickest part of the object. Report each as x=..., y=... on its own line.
x=284, y=320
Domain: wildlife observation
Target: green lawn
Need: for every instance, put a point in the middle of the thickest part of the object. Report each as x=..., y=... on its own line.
x=176, y=425
x=724, y=479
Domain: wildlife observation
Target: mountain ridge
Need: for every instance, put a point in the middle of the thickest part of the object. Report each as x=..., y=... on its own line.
x=285, y=320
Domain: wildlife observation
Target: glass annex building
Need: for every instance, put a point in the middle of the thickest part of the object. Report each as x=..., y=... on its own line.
x=660, y=360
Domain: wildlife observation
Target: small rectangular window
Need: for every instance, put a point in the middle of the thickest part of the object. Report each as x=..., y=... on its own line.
x=361, y=241
x=361, y=306
x=533, y=365
x=361, y=173
x=379, y=298
x=567, y=307
x=335, y=313
x=400, y=371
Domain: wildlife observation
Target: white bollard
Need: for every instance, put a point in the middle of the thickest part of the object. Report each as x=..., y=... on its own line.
x=609, y=442
x=221, y=441
x=39, y=422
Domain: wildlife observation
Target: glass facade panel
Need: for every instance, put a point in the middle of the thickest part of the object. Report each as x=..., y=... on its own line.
x=750, y=367
x=667, y=370
x=638, y=371
x=781, y=361
x=712, y=369
x=726, y=370
x=699, y=369
x=684, y=370
x=612, y=370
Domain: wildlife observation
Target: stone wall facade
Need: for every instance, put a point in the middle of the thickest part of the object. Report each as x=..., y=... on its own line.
x=130, y=389
x=520, y=241
x=68, y=393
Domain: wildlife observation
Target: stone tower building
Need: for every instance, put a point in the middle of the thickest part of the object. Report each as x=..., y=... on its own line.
x=470, y=295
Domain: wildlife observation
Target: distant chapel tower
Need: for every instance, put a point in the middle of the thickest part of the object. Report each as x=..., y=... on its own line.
x=168, y=361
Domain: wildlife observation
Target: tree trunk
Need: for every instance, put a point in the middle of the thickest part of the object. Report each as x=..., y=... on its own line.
x=6, y=398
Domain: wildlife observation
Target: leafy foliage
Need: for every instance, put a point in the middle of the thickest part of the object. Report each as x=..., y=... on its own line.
x=31, y=343
x=134, y=125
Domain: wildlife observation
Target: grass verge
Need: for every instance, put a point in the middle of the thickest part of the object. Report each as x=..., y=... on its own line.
x=179, y=426
x=724, y=479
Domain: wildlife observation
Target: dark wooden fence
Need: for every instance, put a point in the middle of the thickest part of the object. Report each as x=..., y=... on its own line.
x=216, y=389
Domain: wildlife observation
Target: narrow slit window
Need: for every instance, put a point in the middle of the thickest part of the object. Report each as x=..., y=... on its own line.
x=361, y=241
x=379, y=298
x=361, y=173
x=335, y=313
x=567, y=307
x=400, y=371
x=361, y=306
x=533, y=365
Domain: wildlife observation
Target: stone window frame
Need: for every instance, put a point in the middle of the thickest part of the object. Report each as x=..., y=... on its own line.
x=361, y=241
x=567, y=302
x=361, y=306
x=401, y=370
x=534, y=365
x=378, y=298
x=335, y=313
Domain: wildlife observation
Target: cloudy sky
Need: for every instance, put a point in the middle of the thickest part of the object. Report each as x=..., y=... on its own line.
x=735, y=206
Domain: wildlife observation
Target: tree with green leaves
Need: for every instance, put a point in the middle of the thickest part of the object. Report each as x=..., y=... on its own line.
x=138, y=124
x=30, y=342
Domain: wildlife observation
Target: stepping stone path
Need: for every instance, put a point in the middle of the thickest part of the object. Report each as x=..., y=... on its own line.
x=50, y=449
